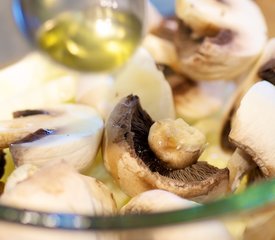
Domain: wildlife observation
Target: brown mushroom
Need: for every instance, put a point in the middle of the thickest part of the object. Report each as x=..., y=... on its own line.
x=136, y=168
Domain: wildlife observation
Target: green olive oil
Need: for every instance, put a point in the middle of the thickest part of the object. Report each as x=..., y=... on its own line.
x=97, y=40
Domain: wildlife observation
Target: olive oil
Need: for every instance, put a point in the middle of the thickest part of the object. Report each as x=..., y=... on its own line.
x=96, y=40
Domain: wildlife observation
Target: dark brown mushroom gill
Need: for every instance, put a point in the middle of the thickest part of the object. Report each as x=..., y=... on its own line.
x=186, y=42
x=2, y=163
x=134, y=125
x=29, y=112
x=267, y=71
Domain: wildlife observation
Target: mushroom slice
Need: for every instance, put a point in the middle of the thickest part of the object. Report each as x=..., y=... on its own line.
x=128, y=157
x=103, y=92
x=193, y=100
x=139, y=72
x=20, y=174
x=263, y=70
x=227, y=45
x=68, y=132
x=253, y=126
x=60, y=188
x=156, y=200
x=160, y=201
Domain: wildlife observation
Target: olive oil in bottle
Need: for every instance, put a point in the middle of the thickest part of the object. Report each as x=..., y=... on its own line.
x=96, y=40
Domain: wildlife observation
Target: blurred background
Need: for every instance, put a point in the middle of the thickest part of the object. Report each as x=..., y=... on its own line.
x=12, y=44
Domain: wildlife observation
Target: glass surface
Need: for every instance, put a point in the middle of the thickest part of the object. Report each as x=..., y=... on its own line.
x=235, y=211
x=255, y=205
x=91, y=36
x=254, y=198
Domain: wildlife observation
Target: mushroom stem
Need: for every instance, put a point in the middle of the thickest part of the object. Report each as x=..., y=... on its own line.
x=239, y=164
x=176, y=143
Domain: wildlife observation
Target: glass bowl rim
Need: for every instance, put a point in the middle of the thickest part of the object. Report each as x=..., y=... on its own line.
x=253, y=198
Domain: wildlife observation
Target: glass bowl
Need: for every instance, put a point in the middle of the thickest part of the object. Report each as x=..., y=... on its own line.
x=249, y=214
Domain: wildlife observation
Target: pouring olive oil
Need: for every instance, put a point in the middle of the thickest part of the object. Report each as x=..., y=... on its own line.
x=96, y=40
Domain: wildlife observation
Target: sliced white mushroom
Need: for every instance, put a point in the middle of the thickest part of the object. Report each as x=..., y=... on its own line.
x=20, y=174
x=160, y=201
x=68, y=132
x=142, y=71
x=162, y=50
x=156, y=200
x=262, y=70
x=60, y=188
x=95, y=91
x=229, y=44
x=103, y=92
x=213, y=39
x=197, y=102
x=253, y=126
x=193, y=100
x=136, y=168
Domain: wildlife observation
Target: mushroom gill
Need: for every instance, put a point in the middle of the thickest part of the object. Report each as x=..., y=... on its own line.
x=136, y=168
x=2, y=163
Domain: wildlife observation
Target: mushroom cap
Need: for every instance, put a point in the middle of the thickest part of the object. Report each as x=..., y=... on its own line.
x=103, y=92
x=67, y=132
x=229, y=45
x=161, y=201
x=155, y=200
x=210, y=39
x=60, y=188
x=142, y=71
x=135, y=167
x=193, y=100
x=257, y=73
x=253, y=126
